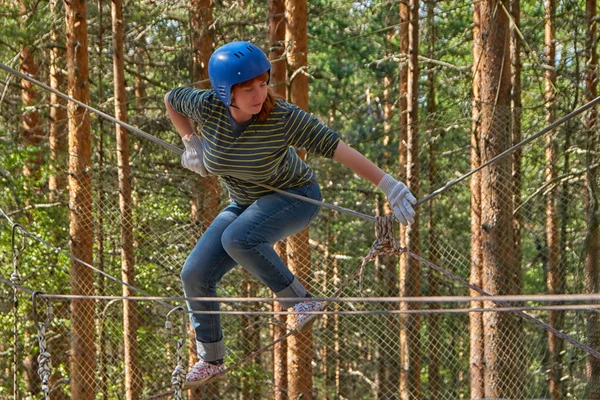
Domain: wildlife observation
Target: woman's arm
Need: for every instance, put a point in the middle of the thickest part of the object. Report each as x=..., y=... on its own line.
x=182, y=124
x=398, y=195
x=358, y=163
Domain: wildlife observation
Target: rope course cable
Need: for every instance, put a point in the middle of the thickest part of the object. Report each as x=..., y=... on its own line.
x=442, y=189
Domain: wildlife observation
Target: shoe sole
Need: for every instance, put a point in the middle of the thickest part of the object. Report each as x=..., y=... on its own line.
x=308, y=322
x=200, y=382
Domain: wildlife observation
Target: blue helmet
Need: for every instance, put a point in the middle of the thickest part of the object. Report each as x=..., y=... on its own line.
x=233, y=63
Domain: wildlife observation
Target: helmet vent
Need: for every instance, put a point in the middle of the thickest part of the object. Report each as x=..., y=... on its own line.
x=249, y=49
x=239, y=54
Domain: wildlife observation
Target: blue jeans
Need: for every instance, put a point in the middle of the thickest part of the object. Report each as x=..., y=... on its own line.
x=244, y=235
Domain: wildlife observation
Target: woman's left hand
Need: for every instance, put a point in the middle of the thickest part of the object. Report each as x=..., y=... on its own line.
x=400, y=198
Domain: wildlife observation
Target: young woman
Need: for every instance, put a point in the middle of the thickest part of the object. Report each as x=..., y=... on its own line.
x=247, y=136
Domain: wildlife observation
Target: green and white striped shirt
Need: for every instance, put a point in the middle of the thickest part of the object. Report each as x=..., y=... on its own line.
x=256, y=151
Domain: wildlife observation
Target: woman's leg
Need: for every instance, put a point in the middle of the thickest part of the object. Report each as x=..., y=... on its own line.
x=202, y=271
x=249, y=238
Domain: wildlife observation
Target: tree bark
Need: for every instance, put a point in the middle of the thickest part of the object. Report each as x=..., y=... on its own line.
x=552, y=239
x=133, y=378
x=299, y=345
x=410, y=324
x=476, y=367
x=83, y=357
x=502, y=330
x=277, y=29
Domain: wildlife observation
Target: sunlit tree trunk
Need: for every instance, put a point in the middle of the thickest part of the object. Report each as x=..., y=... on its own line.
x=277, y=30
x=410, y=341
x=299, y=345
x=501, y=330
x=133, y=378
x=592, y=278
x=476, y=276
x=552, y=239
x=403, y=82
x=57, y=141
x=83, y=356
x=476, y=367
x=433, y=320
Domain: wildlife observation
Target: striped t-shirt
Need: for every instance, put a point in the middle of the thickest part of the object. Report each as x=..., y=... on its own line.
x=263, y=152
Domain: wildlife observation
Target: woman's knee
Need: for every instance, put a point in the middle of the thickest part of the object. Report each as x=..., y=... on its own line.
x=235, y=240
x=196, y=275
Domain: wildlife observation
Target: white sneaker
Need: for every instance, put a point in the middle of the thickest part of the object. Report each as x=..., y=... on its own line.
x=304, y=320
x=201, y=372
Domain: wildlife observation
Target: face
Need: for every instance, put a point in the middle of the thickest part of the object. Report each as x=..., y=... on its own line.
x=248, y=99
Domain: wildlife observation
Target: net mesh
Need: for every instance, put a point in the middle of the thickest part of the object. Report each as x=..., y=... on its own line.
x=359, y=349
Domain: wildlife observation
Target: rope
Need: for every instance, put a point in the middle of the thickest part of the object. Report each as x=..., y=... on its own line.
x=45, y=367
x=44, y=360
x=383, y=244
x=178, y=375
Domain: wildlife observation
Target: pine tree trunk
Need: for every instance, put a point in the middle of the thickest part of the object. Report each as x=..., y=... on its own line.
x=410, y=324
x=83, y=353
x=502, y=330
x=133, y=378
x=277, y=29
x=299, y=345
x=404, y=15
x=552, y=239
x=476, y=367
x=592, y=269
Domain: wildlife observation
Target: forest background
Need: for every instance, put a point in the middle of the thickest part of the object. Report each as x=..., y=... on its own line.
x=428, y=90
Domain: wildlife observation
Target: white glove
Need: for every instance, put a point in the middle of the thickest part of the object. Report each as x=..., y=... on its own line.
x=192, y=156
x=400, y=198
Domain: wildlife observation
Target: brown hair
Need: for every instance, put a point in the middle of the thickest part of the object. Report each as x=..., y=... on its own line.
x=269, y=103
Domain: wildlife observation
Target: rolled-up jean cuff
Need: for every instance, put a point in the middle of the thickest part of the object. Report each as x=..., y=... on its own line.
x=211, y=351
x=294, y=290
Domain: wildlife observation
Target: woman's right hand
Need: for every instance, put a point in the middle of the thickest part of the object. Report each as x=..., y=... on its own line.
x=192, y=156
